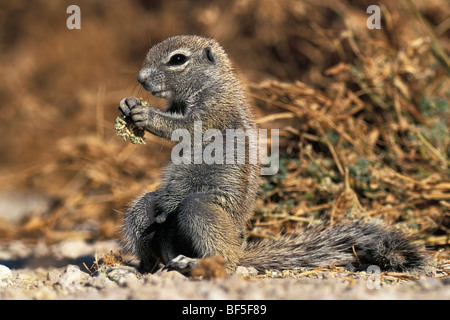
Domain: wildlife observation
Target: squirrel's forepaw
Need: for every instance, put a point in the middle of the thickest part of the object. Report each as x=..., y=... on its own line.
x=126, y=105
x=140, y=115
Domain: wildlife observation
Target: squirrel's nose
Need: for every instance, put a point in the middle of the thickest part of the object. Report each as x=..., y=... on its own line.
x=142, y=76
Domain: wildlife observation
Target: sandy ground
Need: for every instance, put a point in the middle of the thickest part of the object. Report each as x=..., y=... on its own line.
x=58, y=272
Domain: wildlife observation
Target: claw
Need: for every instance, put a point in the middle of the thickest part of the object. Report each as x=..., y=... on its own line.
x=124, y=113
x=124, y=109
x=161, y=218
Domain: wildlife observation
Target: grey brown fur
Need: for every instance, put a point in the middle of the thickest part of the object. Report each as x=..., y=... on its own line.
x=201, y=210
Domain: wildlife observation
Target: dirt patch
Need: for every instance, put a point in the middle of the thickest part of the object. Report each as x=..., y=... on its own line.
x=50, y=272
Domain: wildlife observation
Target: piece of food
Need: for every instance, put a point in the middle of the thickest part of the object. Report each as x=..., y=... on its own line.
x=128, y=130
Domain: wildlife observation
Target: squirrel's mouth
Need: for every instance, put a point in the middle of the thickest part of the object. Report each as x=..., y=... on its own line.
x=156, y=91
x=161, y=93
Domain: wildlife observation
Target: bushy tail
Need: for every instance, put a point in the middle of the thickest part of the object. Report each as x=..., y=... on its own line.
x=353, y=243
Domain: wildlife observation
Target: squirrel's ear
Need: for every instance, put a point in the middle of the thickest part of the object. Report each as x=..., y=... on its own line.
x=209, y=55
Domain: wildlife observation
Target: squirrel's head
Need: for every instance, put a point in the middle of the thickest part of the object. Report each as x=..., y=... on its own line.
x=182, y=67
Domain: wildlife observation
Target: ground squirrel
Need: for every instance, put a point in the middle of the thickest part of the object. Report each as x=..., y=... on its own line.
x=201, y=209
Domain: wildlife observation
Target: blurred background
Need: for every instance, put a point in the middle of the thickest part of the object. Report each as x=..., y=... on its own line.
x=363, y=114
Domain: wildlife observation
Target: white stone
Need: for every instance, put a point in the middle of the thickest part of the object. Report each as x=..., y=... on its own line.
x=5, y=272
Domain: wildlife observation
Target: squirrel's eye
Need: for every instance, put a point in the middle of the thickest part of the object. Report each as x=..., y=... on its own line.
x=177, y=60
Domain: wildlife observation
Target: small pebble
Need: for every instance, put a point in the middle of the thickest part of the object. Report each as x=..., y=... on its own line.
x=246, y=271
x=5, y=272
